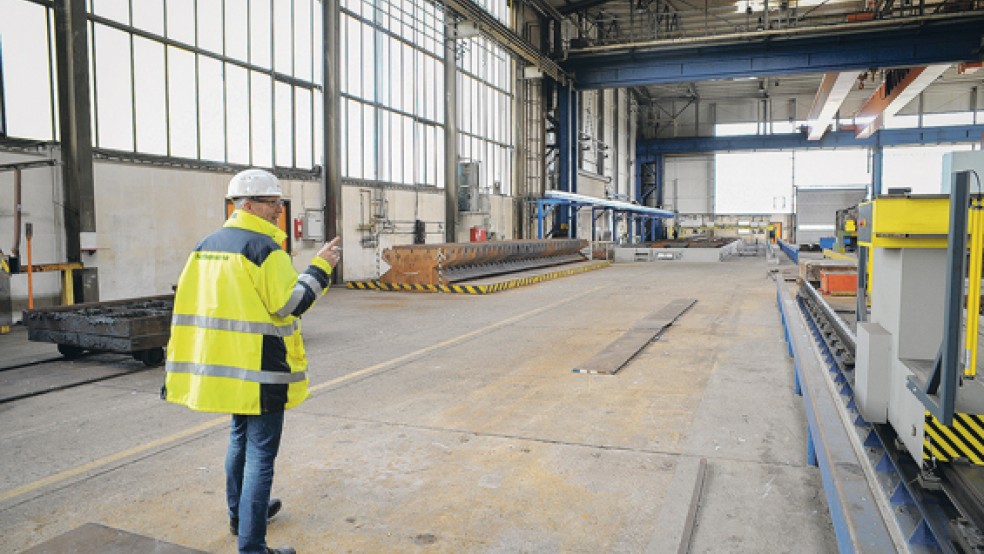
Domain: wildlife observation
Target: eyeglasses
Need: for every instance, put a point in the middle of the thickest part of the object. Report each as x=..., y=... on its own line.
x=274, y=202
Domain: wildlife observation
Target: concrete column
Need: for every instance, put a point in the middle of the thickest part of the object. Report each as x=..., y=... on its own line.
x=331, y=121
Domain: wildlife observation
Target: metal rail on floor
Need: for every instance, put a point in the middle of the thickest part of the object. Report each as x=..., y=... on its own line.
x=915, y=514
x=790, y=250
x=857, y=519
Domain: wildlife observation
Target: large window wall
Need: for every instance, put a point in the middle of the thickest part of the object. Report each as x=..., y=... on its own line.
x=239, y=82
x=393, y=112
x=226, y=81
x=392, y=83
x=486, y=103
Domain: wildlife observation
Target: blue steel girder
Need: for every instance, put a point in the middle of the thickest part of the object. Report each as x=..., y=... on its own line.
x=648, y=151
x=863, y=45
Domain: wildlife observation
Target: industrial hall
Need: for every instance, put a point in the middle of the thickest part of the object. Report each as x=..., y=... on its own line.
x=490, y=276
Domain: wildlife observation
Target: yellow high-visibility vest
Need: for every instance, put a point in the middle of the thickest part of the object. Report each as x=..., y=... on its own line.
x=235, y=343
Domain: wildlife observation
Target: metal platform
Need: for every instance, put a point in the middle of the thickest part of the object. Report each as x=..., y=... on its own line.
x=487, y=285
x=137, y=326
x=93, y=538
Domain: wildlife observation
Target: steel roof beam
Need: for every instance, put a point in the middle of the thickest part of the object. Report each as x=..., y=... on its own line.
x=646, y=150
x=832, y=93
x=863, y=45
x=884, y=104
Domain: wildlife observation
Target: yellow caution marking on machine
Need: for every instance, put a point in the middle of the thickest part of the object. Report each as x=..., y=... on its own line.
x=473, y=289
x=963, y=439
x=970, y=435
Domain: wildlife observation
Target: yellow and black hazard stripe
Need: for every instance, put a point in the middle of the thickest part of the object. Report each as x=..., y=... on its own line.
x=408, y=287
x=473, y=289
x=963, y=439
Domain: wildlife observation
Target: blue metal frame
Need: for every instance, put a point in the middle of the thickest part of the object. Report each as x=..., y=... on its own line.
x=877, y=167
x=647, y=151
x=566, y=143
x=918, y=514
x=546, y=205
x=790, y=250
x=939, y=393
x=954, y=38
x=857, y=520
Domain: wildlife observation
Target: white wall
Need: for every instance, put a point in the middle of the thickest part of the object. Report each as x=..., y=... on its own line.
x=689, y=184
x=148, y=218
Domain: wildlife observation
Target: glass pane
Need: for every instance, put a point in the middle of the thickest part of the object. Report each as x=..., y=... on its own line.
x=411, y=151
x=150, y=96
x=385, y=146
x=317, y=41
x=149, y=15
x=302, y=128
x=352, y=150
x=368, y=142
x=181, y=20
x=117, y=10
x=181, y=109
x=283, y=48
x=27, y=88
x=302, y=39
x=369, y=62
x=237, y=115
x=284, y=118
x=113, y=100
x=237, y=34
x=318, y=138
x=261, y=117
x=210, y=25
x=211, y=111
x=259, y=32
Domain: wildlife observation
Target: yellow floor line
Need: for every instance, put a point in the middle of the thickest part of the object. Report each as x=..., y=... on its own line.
x=212, y=423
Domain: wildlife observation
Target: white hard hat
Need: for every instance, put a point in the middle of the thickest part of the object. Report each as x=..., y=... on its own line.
x=254, y=182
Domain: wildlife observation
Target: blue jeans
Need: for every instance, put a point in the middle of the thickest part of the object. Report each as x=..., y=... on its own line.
x=253, y=446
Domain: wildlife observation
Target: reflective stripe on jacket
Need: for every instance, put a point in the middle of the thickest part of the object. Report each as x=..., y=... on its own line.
x=236, y=342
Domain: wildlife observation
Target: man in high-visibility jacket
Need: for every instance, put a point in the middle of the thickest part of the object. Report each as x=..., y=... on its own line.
x=236, y=343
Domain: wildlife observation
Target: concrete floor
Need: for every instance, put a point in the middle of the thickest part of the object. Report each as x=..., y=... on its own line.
x=453, y=423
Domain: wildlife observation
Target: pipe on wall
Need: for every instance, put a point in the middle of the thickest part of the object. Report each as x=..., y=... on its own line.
x=15, y=250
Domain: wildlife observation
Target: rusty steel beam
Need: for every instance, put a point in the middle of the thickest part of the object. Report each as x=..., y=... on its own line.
x=883, y=104
x=441, y=264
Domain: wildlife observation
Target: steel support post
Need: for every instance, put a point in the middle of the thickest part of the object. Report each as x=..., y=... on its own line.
x=74, y=115
x=331, y=114
x=566, y=143
x=450, y=130
x=877, y=167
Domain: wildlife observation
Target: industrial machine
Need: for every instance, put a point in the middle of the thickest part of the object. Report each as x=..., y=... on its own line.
x=846, y=230
x=917, y=353
x=909, y=370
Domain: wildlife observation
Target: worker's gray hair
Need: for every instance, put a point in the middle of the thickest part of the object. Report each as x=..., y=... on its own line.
x=238, y=203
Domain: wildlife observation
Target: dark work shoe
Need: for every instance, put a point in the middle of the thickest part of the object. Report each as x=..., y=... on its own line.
x=284, y=550
x=272, y=509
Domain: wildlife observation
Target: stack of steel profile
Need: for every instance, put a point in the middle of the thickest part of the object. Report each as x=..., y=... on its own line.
x=442, y=264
